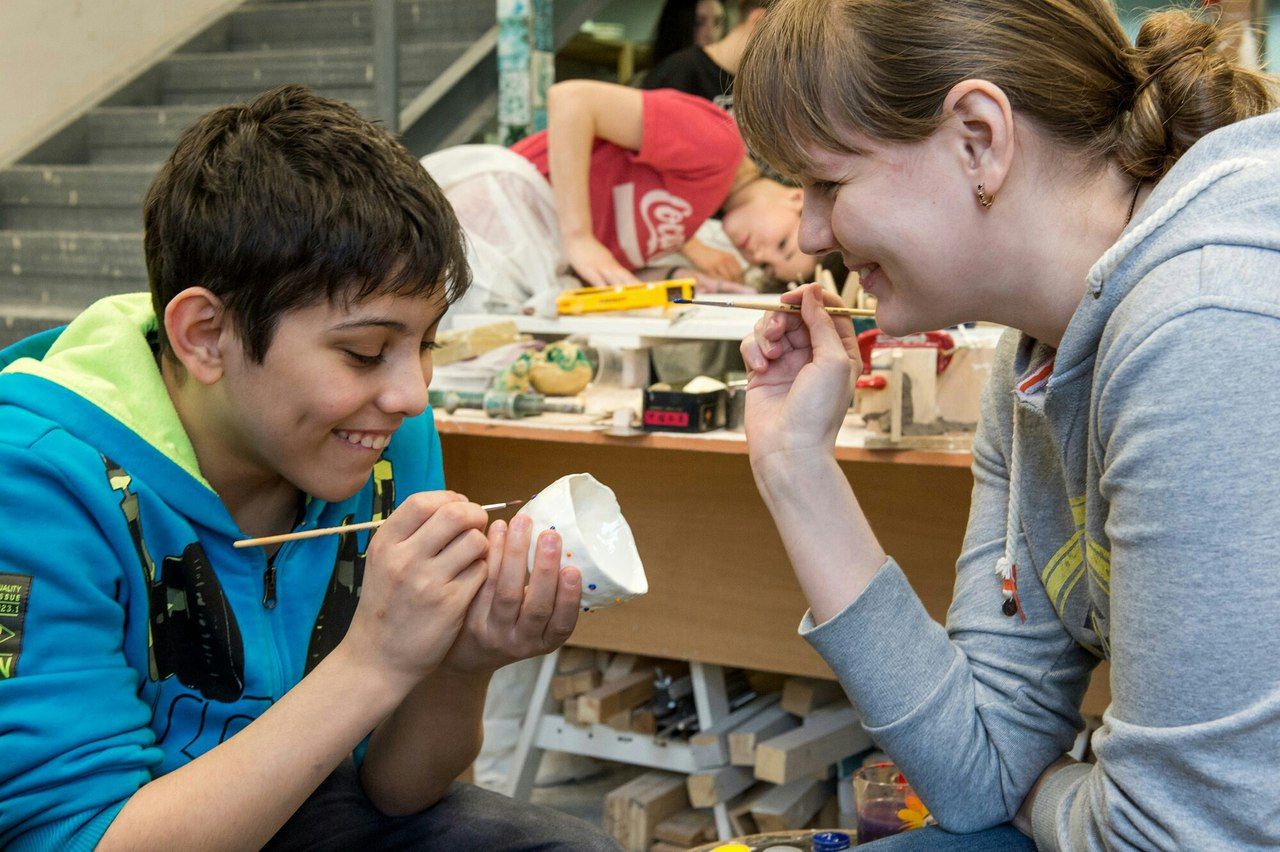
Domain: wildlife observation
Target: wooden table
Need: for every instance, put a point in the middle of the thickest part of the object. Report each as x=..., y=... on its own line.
x=721, y=590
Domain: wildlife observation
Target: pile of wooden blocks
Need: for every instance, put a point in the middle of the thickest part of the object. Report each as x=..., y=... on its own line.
x=609, y=689
x=772, y=762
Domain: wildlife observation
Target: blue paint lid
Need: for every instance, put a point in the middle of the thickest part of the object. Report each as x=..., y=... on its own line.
x=831, y=841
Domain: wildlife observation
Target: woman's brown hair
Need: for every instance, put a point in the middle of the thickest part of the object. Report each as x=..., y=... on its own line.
x=817, y=70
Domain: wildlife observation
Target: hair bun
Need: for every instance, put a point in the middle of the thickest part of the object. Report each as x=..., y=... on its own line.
x=1186, y=86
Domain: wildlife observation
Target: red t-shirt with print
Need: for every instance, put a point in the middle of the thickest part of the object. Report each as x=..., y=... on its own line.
x=648, y=203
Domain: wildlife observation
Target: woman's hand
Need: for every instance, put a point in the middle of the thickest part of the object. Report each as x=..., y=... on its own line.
x=508, y=620
x=594, y=263
x=715, y=263
x=801, y=370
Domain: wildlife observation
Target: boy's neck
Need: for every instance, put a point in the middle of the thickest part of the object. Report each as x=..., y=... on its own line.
x=259, y=500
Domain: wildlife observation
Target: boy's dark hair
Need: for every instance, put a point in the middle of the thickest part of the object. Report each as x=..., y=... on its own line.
x=289, y=200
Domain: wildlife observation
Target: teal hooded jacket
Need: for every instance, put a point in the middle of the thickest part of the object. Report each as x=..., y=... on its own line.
x=133, y=637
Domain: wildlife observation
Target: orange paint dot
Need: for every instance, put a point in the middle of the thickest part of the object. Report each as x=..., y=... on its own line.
x=568, y=555
x=617, y=600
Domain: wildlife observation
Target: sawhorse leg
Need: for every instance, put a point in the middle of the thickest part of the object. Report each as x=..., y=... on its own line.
x=711, y=700
x=528, y=757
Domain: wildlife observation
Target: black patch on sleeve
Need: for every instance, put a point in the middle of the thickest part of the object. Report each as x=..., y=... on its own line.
x=15, y=591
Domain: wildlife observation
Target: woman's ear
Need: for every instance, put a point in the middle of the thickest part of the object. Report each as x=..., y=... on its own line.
x=194, y=322
x=982, y=132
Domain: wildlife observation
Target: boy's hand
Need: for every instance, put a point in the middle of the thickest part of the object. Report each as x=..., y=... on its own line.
x=422, y=571
x=594, y=263
x=715, y=263
x=509, y=621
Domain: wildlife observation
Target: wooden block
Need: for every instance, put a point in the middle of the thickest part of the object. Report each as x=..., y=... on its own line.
x=628, y=809
x=789, y=806
x=608, y=698
x=687, y=828
x=461, y=344
x=575, y=660
x=766, y=725
x=663, y=798
x=802, y=695
x=575, y=683
x=710, y=788
x=620, y=666
x=711, y=747
x=740, y=819
x=620, y=721
x=659, y=846
x=643, y=721
x=573, y=711
x=828, y=737
x=616, y=802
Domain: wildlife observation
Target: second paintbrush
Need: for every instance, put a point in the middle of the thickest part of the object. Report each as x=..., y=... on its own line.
x=778, y=307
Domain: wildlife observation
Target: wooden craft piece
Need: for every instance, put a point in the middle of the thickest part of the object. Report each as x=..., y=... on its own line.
x=711, y=747
x=791, y=805
x=710, y=788
x=606, y=700
x=827, y=737
x=802, y=696
x=687, y=828
x=768, y=724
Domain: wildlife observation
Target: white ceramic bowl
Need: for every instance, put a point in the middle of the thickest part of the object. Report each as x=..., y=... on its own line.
x=597, y=540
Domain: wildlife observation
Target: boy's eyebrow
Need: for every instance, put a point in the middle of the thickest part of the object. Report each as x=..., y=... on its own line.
x=379, y=322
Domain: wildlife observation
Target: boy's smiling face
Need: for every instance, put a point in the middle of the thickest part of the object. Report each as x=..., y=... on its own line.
x=335, y=385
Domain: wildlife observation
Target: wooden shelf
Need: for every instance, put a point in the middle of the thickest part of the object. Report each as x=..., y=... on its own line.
x=722, y=441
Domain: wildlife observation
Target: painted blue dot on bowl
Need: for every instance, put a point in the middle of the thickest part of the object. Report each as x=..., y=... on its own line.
x=591, y=586
x=553, y=526
x=586, y=609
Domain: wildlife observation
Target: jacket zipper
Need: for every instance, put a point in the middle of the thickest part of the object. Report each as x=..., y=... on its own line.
x=269, y=584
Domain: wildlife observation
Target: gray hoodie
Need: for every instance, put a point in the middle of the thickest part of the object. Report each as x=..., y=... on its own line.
x=1146, y=530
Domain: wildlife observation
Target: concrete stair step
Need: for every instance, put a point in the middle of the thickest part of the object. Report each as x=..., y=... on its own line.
x=236, y=76
x=350, y=23
x=58, y=299
x=74, y=186
x=139, y=155
x=74, y=254
x=120, y=127
x=360, y=97
x=73, y=198
x=16, y=325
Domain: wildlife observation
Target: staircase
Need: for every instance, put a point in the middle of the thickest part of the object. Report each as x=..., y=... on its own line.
x=71, y=211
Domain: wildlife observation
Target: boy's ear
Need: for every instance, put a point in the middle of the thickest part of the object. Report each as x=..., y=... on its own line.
x=795, y=198
x=194, y=322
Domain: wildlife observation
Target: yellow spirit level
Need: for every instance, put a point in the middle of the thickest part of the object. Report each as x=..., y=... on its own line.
x=626, y=297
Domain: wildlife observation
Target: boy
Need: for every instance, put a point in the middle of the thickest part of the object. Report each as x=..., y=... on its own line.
x=162, y=689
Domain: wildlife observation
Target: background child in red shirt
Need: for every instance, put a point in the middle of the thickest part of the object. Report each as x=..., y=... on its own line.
x=621, y=178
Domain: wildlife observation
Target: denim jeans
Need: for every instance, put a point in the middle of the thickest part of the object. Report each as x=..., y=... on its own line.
x=338, y=816
x=1002, y=838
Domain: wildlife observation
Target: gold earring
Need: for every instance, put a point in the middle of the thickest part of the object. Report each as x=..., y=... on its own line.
x=984, y=199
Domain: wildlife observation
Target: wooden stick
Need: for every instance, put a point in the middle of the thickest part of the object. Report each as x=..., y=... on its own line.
x=367, y=525
x=777, y=307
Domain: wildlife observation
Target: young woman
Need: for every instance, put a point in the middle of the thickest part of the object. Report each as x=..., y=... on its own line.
x=1119, y=208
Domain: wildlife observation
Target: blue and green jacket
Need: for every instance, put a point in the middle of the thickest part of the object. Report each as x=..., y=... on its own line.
x=133, y=637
